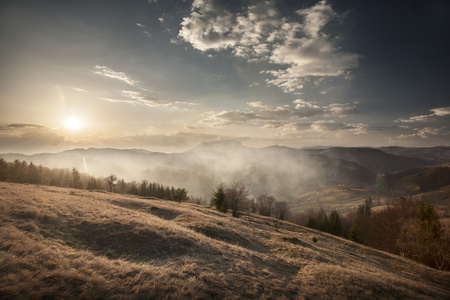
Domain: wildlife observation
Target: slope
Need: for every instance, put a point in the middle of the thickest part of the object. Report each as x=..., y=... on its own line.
x=420, y=180
x=62, y=243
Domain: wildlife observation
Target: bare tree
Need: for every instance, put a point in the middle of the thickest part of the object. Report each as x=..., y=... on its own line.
x=266, y=204
x=281, y=210
x=237, y=197
x=111, y=180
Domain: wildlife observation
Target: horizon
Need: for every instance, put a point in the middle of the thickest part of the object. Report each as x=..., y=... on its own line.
x=218, y=142
x=167, y=76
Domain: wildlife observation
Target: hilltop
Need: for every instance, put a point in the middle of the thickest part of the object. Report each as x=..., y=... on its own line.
x=65, y=243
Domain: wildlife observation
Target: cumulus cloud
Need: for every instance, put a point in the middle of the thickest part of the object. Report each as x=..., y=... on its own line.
x=426, y=136
x=426, y=132
x=209, y=26
x=275, y=117
x=330, y=125
x=259, y=34
x=300, y=103
x=341, y=109
x=105, y=71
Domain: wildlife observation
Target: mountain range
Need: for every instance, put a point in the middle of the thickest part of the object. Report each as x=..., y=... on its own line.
x=287, y=173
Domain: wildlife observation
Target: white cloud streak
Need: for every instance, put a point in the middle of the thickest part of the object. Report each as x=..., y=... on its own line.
x=105, y=71
x=435, y=113
x=138, y=98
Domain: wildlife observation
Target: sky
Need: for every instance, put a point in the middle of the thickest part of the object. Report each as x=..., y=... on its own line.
x=169, y=75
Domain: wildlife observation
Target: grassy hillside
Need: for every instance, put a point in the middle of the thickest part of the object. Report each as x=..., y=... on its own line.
x=71, y=244
x=343, y=198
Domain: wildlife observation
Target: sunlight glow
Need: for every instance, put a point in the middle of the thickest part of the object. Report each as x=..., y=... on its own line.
x=73, y=123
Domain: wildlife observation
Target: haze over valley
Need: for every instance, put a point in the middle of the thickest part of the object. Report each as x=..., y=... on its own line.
x=287, y=173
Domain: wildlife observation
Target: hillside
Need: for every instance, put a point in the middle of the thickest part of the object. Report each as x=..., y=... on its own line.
x=71, y=244
x=420, y=180
x=434, y=155
x=342, y=198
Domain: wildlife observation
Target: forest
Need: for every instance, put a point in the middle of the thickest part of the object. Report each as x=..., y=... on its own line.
x=412, y=229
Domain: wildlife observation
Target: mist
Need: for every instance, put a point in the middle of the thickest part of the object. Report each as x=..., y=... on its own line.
x=282, y=172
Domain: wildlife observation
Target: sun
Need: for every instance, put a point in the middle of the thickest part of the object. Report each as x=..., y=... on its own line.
x=73, y=123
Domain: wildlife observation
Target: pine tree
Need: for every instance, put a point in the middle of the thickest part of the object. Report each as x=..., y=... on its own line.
x=92, y=184
x=180, y=195
x=335, y=223
x=219, y=200
x=76, y=179
x=353, y=234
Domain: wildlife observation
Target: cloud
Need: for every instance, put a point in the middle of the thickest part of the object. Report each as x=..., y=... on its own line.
x=297, y=126
x=330, y=126
x=259, y=34
x=256, y=104
x=20, y=137
x=425, y=137
x=436, y=113
x=275, y=117
x=138, y=98
x=440, y=112
x=300, y=103
x=316, y=17
x=144, y=29
x=105, y=71
x=20, y=125
x=341, y=109
x=209, y=26
x=426, y=132
x=307, y=108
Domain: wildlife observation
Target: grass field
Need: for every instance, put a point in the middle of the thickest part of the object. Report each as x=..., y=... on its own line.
x=76, y=244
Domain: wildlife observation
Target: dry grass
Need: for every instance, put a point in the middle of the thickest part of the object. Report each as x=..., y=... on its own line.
x=55, y=243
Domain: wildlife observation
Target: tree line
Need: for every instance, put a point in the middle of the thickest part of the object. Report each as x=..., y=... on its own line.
x=236, y=198
x=24, y=172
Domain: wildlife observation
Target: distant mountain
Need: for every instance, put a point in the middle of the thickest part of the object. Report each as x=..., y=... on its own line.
x=281, y=171
x=374, y=160
x=435, y=155
x=220, y=146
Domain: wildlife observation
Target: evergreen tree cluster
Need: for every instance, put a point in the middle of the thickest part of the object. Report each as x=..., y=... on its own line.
x=328, y=223
x=23, y=172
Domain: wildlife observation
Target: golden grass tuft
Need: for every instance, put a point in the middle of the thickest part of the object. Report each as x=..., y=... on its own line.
x=91, y=245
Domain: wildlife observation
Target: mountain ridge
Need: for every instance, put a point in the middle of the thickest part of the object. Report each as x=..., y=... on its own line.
x=287, y=173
